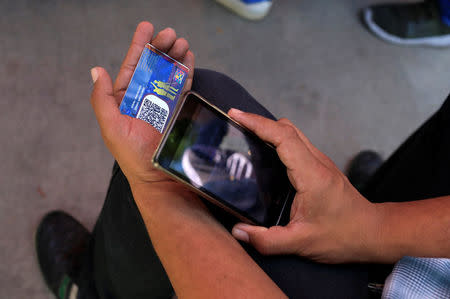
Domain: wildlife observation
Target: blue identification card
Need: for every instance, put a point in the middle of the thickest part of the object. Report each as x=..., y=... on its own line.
x=154, y=89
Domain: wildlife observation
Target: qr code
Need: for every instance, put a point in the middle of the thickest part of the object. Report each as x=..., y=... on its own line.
x=153, y=113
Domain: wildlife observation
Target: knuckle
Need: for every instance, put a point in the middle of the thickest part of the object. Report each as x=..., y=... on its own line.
x=330, y=179
x=289, y=131
x=285, y=121
x=323, y=174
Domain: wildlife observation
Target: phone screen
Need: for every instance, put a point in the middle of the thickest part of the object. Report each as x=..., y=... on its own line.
x=229, y=163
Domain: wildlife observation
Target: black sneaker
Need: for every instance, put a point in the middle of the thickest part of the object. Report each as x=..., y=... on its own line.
x=408, y=23
x=61, y=242
x=362, y=167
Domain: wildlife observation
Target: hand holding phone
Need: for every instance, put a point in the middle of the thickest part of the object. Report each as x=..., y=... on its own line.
x=330, y=221
x=225, y=163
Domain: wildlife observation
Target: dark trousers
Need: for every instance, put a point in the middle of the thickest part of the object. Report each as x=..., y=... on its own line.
x=123, y=264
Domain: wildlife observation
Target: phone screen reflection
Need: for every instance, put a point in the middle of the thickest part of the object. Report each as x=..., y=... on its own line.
x=216, y=156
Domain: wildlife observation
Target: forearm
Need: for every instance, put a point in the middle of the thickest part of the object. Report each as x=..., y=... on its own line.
x=200, y=257
x=417, y=228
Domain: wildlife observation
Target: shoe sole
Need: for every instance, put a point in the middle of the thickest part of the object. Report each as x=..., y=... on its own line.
x=254, y=12
x=441, y=41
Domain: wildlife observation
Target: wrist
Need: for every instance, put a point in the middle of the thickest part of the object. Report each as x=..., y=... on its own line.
x=362, y=236
x=163, y=194
x=150, y=191
x=374, y=235
x=388, y=238
x=396, y=235
x=167, y=201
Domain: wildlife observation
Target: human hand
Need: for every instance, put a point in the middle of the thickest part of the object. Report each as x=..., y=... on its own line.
x=132, y=141
x=330, y=220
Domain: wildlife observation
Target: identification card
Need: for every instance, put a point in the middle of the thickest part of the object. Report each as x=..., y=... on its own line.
x=155, y=88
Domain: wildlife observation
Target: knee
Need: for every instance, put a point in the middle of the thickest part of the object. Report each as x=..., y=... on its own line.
x=205, y=80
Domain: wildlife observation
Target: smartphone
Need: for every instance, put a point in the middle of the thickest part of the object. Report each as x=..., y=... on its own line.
x=225, y=163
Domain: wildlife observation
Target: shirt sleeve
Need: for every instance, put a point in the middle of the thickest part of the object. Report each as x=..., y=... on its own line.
x=415, y=277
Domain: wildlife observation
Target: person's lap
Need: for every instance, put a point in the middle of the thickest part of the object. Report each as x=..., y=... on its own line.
x=125, y=265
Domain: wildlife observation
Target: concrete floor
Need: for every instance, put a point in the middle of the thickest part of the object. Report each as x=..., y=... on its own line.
x=310, y=61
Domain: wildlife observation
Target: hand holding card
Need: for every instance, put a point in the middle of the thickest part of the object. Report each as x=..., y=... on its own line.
x=155, y=88
x=131, y=141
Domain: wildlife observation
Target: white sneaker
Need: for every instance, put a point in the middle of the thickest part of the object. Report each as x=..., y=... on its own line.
x=248, y=9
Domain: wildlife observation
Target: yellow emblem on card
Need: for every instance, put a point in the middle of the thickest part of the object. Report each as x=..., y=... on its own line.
x=164, y=89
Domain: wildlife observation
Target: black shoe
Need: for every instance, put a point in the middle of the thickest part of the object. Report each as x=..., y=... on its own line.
x=362, y=167
x=418, y=23
x=61, y=242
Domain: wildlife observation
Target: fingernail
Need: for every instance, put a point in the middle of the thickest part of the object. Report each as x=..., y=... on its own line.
x=240, y=234
x=94, y=74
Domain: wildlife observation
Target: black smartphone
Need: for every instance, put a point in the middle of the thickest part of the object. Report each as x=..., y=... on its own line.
x=225, y=163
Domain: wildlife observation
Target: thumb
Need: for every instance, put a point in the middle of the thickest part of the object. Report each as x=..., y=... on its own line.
x=268, y=241
x=105, y=105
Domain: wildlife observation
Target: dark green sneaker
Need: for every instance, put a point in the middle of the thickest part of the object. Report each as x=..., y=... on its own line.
x=408, y=23
x=61, y=242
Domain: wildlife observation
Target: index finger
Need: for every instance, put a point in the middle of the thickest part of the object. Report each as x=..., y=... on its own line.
x=142, y=36
x=294, y=154
x=314, y=150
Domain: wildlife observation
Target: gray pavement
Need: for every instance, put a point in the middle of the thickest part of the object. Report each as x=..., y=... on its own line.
x=310, y=61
